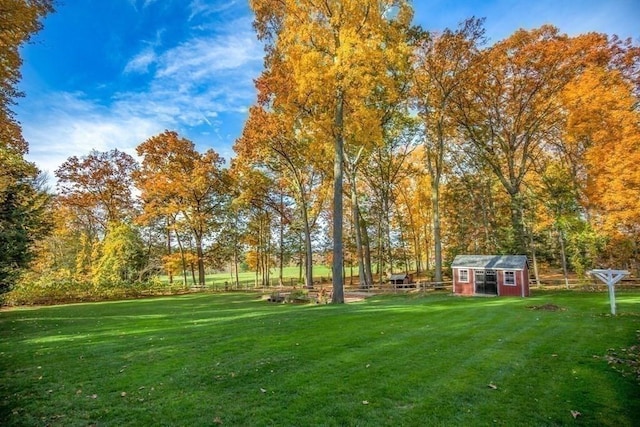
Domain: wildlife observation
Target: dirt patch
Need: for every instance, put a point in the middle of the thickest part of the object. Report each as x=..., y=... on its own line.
x=546, y=307
x=356, y=296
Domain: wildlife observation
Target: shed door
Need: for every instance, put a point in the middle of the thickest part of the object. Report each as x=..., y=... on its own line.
x=486, y=282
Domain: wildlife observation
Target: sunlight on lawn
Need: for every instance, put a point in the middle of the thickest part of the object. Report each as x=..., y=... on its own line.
x=415, y=359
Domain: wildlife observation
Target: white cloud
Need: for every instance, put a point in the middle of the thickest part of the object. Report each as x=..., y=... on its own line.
x=197, y=80
x=188, y=87
x=202, y=57
x=77, y=125
x=205, y=8
x=140, y=63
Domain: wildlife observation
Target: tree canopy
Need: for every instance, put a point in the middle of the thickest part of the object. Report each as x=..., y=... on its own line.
x=371, y=145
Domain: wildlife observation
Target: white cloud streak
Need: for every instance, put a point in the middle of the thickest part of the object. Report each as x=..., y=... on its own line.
x=187, y=86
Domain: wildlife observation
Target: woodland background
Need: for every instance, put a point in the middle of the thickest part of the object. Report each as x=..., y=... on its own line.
x=372, y=145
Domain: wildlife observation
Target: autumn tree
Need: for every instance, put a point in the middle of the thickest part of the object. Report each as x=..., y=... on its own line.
x=387, y=166
x=271, y=140
x=19, y=20
x=510, y=110
x=338, y=53
x=98, y=188
x=23, y=198
x=414, y=206
x=175, y=179
x=257, y=201
x=441, y=63
x=473, y=206
x=601, y=141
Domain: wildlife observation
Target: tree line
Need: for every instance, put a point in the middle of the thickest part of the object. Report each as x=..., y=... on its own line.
x=375, y=144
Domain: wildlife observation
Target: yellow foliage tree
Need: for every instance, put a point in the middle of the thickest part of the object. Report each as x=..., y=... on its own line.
x=340, y=57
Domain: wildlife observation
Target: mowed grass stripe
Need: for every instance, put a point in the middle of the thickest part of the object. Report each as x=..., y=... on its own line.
x=393, y=360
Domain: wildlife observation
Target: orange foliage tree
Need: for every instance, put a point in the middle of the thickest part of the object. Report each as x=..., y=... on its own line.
x=175, y=179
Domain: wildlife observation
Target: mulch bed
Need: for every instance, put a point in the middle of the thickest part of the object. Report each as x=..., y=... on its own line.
x=546, y=307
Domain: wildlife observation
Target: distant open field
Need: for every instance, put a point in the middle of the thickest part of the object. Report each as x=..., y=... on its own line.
x=290, y=274
x=234, y=359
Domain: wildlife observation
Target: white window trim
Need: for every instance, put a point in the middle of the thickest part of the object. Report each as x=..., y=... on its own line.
x=515, y=278
x=460, y=270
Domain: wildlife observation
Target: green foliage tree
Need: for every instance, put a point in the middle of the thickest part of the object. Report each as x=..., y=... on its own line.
x=22, y=198
x=23, y=219
x=121, y=257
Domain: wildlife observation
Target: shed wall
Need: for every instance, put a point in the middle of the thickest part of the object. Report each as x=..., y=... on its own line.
x=520, y=289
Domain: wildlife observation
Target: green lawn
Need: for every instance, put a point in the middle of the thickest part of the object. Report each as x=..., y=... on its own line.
x=393, y=360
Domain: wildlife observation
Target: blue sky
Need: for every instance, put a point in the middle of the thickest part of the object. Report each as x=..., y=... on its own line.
x=107, y=74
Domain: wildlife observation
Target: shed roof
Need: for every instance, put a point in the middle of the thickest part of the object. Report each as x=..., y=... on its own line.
x=498, y=262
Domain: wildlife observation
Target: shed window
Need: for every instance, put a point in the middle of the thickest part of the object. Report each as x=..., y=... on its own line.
x=463, y=275
x=510, y=278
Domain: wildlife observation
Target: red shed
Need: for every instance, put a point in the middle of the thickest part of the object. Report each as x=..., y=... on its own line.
x=504, y=275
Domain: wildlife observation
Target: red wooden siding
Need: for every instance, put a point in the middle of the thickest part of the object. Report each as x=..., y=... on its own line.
x=521, y=289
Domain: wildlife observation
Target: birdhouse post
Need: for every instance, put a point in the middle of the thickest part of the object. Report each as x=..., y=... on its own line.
x=610, y=277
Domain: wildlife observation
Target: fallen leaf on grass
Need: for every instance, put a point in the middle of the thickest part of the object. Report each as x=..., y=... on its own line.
x=365, y=402
x=493, y=386
x=575, y=414
x=263, y=390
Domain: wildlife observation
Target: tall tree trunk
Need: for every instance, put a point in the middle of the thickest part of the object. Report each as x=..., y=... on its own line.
x=169, y=249
x=193, y=273
x=183, y=259
x=281, y=254
x=200, y=255
x=437, y=239
x=517, y=223
x=259, y=270
x=427, y=254
x=267, y=253
x=405, y=253
x=534, y=259
x=366, y=255
x=387, y=230
x=338, y=168
x=380, y=250
x=359, y=249
x=235, y=263
x=363, y=283
x=308, y=251
x=302, y=259
x=563, y=254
